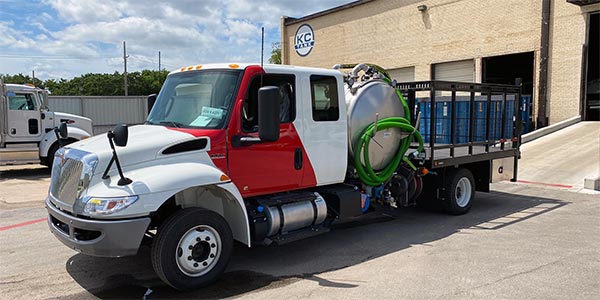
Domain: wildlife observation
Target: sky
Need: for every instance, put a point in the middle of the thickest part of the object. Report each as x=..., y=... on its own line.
x=68, y=38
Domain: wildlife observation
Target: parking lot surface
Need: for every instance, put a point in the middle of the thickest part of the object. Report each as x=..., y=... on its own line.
x=520, y=241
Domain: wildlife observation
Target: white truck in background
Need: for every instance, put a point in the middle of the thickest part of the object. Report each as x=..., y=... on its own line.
x=27, y=126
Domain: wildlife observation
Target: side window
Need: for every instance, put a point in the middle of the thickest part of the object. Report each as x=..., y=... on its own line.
x=325, y=102
x=287, y=94
x=21, y=101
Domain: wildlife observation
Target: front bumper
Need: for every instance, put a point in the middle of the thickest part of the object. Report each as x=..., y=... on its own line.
x=107, y=238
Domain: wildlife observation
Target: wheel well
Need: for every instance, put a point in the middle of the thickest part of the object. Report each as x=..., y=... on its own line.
x=46, y=159
x=209, y=197
x=481, y=174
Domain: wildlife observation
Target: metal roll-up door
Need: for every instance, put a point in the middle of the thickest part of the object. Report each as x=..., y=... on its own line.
x=462, y=70
x=406, y=74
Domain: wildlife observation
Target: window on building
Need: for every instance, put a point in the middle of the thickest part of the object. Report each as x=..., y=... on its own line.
x=287, y=102
x=325, y=102
x=21, y=102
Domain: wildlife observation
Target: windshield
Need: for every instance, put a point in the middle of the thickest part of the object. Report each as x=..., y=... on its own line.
x=198, y=99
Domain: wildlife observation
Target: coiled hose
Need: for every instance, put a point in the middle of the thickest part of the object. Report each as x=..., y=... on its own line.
x=366, y=173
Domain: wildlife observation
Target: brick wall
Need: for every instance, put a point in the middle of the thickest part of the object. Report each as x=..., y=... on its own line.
x=394, y=34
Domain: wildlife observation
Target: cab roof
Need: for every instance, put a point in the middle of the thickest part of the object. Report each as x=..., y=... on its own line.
x=269, y=68
x=22, y=88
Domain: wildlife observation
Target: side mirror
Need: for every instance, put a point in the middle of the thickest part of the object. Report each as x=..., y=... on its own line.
x=151, y=100
x=268, y=113
x=62, y=130
x=120, y=135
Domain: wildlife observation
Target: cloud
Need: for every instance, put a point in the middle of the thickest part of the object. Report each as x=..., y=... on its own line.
x=73, y=37
x=14, y=39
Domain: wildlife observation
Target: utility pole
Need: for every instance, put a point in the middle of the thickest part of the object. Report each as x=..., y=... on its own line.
x=125, y=72
x=159, y=61
x=33, y=77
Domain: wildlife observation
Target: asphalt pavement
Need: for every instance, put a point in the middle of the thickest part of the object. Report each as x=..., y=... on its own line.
x=521, y=241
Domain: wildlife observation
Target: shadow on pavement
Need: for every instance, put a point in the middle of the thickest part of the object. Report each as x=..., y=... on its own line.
x=347, y=245
x=25, y=173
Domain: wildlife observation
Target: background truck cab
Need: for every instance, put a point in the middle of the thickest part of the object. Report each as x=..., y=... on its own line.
x=26, y=126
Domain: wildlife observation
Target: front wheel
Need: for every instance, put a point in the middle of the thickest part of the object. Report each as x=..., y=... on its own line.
x=192, y=248
x=459, y=191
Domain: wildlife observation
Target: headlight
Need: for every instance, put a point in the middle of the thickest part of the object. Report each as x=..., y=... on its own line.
x=107, y=206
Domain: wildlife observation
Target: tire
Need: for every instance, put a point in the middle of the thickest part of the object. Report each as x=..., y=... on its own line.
x=50, y=158
x=459, y=191
x=192, y=248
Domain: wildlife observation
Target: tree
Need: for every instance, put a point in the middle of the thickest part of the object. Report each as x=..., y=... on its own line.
x=94, y=84
x=21, y=79
x=275, y=53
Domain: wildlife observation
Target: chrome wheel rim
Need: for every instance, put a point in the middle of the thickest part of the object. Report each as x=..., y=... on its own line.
x=462, y=193
x=198, y=251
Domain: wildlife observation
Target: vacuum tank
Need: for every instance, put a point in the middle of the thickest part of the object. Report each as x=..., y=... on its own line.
x=370, y=98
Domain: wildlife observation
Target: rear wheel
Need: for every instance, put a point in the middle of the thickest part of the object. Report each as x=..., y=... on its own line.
x=459, y=191
x=192, y=248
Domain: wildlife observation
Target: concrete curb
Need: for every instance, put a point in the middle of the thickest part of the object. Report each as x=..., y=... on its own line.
x=549, y=129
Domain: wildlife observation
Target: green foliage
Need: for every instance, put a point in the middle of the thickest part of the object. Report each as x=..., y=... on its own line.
x=20, y=79
x=275, y=54
x=140, y=83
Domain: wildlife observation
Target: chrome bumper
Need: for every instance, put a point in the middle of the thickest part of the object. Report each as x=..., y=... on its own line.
x=107, y=238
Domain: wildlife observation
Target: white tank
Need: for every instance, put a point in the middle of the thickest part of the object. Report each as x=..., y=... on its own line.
x=365, y=100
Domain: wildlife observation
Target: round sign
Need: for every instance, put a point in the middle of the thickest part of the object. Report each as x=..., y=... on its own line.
x=304, y=40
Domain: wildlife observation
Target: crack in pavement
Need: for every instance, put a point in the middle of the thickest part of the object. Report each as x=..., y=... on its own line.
x=505, y=278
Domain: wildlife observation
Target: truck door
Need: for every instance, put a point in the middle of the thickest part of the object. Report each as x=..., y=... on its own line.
x=269, y=167
x=325, y=127
x=23, y=115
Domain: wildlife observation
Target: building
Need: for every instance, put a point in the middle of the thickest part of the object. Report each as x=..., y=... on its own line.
x=552, y=45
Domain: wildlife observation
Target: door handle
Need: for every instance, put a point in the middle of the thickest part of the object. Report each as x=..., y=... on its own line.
x=298, y=159
x=13, y=131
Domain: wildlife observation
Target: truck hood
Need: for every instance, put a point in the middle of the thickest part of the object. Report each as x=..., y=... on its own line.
x=73, y=120
x=145, y=143
x=59, y=116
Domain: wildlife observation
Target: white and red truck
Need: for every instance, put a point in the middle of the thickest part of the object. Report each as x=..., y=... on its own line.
x=264, y=154
x=27, y=126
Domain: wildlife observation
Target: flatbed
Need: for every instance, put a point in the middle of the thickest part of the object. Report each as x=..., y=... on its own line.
x=490, y=121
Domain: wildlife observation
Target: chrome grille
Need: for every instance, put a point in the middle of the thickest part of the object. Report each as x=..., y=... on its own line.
x=65, y=186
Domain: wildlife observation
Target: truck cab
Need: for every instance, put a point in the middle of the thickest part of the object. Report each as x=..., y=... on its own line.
x=26, y=129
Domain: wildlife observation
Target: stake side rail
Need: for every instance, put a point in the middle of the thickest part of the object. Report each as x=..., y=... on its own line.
x=464, y=122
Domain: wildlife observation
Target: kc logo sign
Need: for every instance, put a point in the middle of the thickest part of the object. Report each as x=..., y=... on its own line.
x=304, y=40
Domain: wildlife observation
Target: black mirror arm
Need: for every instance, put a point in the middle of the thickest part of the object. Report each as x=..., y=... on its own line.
x=124, y=180
x=105, y=174
x=58, y=139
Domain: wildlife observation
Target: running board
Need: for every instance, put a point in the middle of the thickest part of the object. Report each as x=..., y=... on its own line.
x=296, y=236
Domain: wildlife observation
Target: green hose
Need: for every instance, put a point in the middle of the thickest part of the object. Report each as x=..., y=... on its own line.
x=366, y=173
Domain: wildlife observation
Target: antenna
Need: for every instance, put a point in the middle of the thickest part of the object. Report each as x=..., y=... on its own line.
x=262, y=46
x=262, y=53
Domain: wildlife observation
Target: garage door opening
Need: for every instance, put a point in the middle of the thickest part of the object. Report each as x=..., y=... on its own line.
x=592, y=95
x=505, y=69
